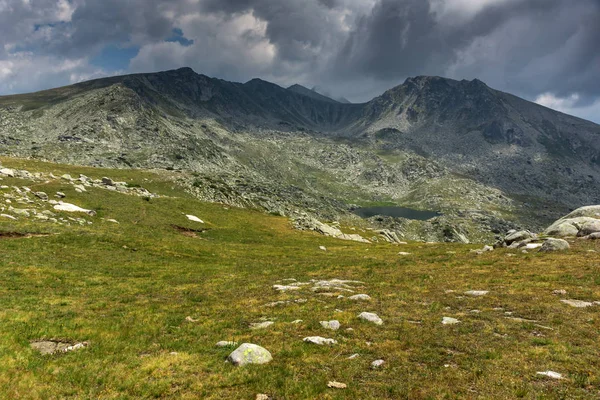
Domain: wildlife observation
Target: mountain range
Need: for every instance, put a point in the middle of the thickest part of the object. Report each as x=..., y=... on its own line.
x=484, y=158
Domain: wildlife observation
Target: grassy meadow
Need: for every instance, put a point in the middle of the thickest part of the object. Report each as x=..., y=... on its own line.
x=129, y=288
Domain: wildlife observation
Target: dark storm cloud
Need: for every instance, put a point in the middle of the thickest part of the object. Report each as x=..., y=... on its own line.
x=405, y=37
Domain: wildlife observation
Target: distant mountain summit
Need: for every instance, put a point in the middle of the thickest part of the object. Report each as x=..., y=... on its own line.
x=388, y=148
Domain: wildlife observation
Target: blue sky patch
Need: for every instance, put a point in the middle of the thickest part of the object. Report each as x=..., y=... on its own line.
x=113, y=57
x=179, y=38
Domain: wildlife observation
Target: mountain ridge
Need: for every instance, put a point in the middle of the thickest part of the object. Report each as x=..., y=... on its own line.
x=413, y=145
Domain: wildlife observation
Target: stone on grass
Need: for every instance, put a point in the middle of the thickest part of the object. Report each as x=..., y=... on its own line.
x=8, y=216
x=262, y=396
x=476, y=293
x=53, y=346
x=555, y=245
x=285, y=288
x=559, y=292
x=249, y=353
x=7, y=172
x=332, y=325
x=72, y=208
x=297, y=321
x=194, y=218
x=550, y=374
x=450, y=321
x=336, y=385
x=371, y=317
x=376, y=364
x=360, y=297
x=225, y=343
x=261, y=325
x=323, y=248
x=318, y=340
x=41, y=195
x=353, y=356
x=578, y=303
x=403, y=253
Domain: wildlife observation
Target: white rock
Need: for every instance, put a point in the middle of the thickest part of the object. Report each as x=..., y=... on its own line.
x=353, y=356
x=333, y=325
x=261, y=325
x=318, y=340
x=559, y=292
x=371, y=317
x=249, y=353
x=7, y=172
x=225, y=343
x=323, y=248
x=194, y=218
x=7, y=216
x=450, y=321
x=377, y=363
x=550, y=374
x=403, y=253
x=336, y=385
x=79, y=188
x=72, y=208
x=578, y=303
x=285, y=288
x=531, y=246
x=297, y=321
x=476, y=293
x=360, y=297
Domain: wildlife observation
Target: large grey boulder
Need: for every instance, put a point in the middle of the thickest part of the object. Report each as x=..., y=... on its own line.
x=371, y=317
x=587, y=211
x=589, y=228
x=518, y=237
x=249, y=353
x=554, y=245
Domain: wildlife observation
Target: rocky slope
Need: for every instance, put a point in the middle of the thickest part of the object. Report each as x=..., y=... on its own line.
x=486, y=159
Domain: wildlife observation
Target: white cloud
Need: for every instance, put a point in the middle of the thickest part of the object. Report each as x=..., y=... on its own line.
x=568, y=105
x=26, y=72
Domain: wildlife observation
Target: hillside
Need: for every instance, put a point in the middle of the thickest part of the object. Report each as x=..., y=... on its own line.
x=143, y=294
x=486, y=159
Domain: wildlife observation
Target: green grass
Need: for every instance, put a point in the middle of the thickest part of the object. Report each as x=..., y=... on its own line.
x=128, y=288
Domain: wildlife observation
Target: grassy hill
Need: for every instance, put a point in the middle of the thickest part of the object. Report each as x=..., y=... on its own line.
x=128, y=288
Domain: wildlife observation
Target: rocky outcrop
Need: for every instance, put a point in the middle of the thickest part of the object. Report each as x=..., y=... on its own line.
x=307, y=223
x=583, y=222
x=554, y=245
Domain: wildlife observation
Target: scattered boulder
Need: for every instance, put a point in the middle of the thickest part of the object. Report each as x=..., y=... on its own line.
x=323, y=248
x=577, y=303
x=485, y=249
x=589, y=228
x=41, y=196
x=285, y=288
x=108, y=182
x=261, y=325
x=377, y=363
x=554, y=245
x=371, y=317
x=476, y=293
x=8, y=216
x=7, y=172
x=249, y=353
x=573, y=223
x=336, y=385
x=450, y=321
x=333, y=325
x=72, y=208
x=225, y=343
x=47, y=347
x=194, y=218
x=318, y=340
x=518, y=236
x=550, y=374
x=60, y=195
x=307, y=223
x=403, y=253
x=362, y=296
x=559, y=292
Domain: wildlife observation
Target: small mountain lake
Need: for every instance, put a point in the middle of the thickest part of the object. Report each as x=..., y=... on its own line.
x=396, y=212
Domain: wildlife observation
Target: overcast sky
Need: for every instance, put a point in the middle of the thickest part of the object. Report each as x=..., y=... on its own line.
x=543, y=50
